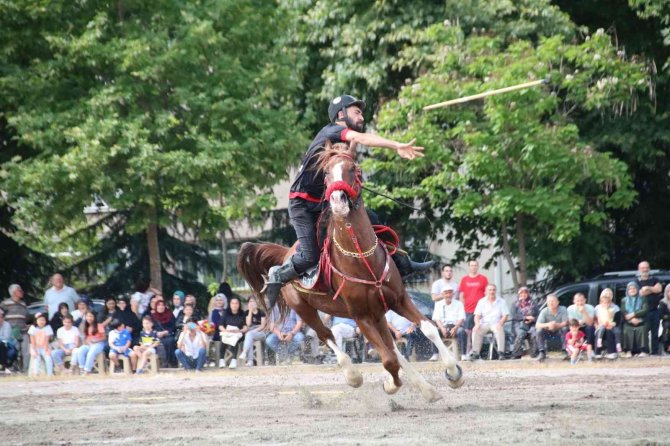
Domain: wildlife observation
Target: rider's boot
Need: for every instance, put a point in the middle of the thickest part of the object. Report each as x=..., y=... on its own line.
x=407, y=266
x=278, y=276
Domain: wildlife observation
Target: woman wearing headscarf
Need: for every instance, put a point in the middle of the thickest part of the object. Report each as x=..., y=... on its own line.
x=524, y=314
x=664, y=310
x=164, y=324
x=635, y=332
x=178, y=298
x=125, y=315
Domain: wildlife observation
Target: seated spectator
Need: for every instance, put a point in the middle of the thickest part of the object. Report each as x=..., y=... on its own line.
x=449, y=315
x=257, y=323
x=16, y=313
x=551, y=324
x=585, y=314
x=178, y=298
x=218, y=305
x=185, y=316
x=143, y=295
x=40, y=335
x=286, y=336
x=524, y=315
x=108, y=313
x=119, y=344
x=191, y=300
x=8, y=344
x=402, y=328
x=125, y=315
x=343, y=328
x=68, y=340
x=575, y=342
x=94, y=343
x=192, y=348
x=606, y=322
x=164, y=324
x=151, y=307
x=149, y=341
x=491, y=313
x=83, y=305
x=664, y=311
x=635, y=331
x=56, y=321
x=232, y=329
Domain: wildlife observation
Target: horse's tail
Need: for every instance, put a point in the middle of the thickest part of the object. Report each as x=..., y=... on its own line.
x=253, y=262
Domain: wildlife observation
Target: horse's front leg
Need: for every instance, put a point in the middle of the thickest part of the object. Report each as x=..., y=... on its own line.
x=376, y=337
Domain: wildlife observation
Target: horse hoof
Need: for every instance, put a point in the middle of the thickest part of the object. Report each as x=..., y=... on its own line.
x=390, y=388
x=455, y=381
x=354, y=378
x=431, y=395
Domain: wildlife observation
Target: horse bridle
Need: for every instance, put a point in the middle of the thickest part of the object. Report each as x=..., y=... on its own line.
x=352, y=191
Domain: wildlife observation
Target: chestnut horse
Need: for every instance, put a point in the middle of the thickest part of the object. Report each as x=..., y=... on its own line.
x=366, y=281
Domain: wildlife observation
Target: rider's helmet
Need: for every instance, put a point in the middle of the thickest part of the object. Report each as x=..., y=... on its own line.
x=340, y=103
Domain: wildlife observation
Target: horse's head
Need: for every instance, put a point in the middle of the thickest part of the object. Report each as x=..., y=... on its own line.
x=342, y=177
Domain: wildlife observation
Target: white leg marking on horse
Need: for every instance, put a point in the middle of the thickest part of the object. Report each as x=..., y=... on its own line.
x=428, y=391
x=354, y=377
x=448, y=359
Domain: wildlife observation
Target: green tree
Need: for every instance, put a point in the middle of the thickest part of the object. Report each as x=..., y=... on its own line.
x=179, y=115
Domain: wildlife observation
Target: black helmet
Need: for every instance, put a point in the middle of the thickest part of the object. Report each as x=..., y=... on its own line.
x=340, y=103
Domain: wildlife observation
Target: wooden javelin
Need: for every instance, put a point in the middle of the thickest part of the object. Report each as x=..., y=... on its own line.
x=485, y=94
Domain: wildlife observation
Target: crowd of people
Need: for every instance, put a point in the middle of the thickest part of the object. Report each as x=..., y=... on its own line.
x=70, y=336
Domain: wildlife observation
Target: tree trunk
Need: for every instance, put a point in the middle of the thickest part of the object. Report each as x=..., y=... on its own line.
x=521, y=240
x=224, y=257
x=154, y=256
x=507, y=252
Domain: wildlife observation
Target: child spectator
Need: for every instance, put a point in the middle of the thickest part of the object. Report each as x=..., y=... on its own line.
x=68, y=339
x=57, y=319
x=148, y=343
x=94, y=342
x=232, y=329
x=575, y=342
x=606, y=312
x=192, y=348
x=40, y=334
x=257, y=322
x=119, y=343
x=191, y=300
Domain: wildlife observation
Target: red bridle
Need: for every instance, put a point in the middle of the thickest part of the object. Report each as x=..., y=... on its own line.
x=352, y=190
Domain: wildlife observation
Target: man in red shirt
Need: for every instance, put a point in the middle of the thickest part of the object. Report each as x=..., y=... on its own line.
x=472, y=288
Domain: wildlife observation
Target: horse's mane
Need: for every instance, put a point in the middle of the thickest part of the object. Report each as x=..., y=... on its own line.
x=332, y=151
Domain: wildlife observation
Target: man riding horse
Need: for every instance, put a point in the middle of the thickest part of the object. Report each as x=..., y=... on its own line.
x=305, y=200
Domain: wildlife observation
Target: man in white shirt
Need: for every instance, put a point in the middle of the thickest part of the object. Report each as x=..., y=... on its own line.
x=491, y=314
x=449, y=315
x=437, y=290
x=59, y=293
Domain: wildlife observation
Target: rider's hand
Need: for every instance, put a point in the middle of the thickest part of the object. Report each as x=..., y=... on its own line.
x=409, y=150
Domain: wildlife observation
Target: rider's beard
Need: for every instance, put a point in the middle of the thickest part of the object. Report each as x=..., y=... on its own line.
x=353, y=126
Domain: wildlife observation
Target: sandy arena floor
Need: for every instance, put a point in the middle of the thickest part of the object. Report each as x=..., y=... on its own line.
x=511, y=402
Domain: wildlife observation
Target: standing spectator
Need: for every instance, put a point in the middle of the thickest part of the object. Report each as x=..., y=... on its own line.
x=606, y=321
x=83, y=306
x=232, y=329
x=257, y=322
x=635, y=330
x=164, y=324
x=129, y=319
x=59, y=292
x=551, y=324
x=585, y=314
x=403, y=328
x=8, y=347
x=437, y=290
x=143, y=294
x=119, y=344
x=472, y=288
x=286, y=335
x=575, y=343
x=68, y=340
x=664, y=312
x=449, y=315
x=178, y=298
x=94, y=342
x=524, y=315
x=108, y=313
x=56, y=322
x=40, y=335
x=192, y=348
x=650, y=288
x=16, y=313
x=149, y=341
x=491, y=314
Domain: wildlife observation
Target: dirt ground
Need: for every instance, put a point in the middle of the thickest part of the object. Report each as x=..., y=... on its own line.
x=510, y=402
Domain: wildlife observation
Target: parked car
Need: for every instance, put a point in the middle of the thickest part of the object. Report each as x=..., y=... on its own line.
x=39, y=307
x=592, y=288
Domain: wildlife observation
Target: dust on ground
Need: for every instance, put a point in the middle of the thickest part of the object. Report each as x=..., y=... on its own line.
x=509, y=402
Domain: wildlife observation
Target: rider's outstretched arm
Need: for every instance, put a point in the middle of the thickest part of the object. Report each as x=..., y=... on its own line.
x=405, y=150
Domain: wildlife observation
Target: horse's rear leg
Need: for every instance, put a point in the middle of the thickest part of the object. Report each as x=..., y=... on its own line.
x=380, y=337
x=311, y=317
x=408, y=310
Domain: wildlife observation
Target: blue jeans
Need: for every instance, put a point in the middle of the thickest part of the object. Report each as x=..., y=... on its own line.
x=88, y=354
x=274, y=344
x=48, y=362
x=58, y=355
x=653, y=321
x=191, y=363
